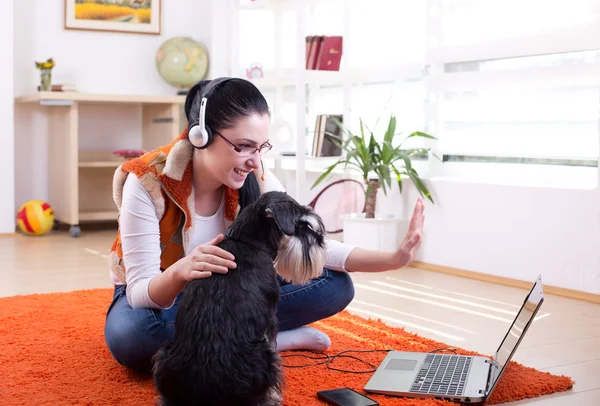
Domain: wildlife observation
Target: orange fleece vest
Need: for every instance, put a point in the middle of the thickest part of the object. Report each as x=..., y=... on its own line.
x=166, y=173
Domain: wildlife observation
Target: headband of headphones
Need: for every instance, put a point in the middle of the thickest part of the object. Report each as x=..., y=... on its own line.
x=198, y=133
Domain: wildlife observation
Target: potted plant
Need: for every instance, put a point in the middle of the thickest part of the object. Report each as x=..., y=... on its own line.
x=46, y=74
x=378, y=163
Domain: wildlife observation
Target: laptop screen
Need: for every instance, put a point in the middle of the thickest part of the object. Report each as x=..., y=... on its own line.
x=532, y=303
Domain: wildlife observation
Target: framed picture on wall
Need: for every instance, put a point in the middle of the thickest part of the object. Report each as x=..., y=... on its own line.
x=131, y=16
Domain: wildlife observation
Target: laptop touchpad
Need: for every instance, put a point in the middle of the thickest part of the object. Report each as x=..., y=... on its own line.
x=399, y=364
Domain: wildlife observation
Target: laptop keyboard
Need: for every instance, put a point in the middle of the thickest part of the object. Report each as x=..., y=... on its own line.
x=442, y=374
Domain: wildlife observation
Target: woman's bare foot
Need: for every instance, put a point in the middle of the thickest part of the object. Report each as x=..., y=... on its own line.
x=303, y=338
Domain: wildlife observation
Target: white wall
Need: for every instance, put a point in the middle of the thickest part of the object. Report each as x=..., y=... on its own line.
x=511, y=231
x=503, y=229
x=96, y=62
x=100, y=61
x=7, y=206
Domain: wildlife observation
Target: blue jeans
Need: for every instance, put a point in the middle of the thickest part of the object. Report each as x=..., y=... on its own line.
x=134, y=335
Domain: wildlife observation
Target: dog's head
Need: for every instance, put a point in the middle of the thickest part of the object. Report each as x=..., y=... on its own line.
x=295, y=231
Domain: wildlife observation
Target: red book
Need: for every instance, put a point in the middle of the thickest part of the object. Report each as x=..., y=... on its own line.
x=309, y=41
x=330, y=53
x=313, y=54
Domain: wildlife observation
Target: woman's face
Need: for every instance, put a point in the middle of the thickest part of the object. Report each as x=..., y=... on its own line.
x=224, y=163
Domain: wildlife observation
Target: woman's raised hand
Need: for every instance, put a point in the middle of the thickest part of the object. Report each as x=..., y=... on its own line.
x=409, y=247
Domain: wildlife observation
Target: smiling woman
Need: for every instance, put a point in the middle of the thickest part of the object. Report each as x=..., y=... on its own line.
x=229, y=122
x=175, y=205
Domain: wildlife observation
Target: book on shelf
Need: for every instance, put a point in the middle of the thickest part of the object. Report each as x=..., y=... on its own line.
x=129, y=153
x=324, y=144
x=61, y=88
x=324, y=52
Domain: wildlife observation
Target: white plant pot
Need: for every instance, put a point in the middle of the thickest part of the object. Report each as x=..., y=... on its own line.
x=381, y=234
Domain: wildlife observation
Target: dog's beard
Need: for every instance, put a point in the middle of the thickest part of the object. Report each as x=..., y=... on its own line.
x=299, y=260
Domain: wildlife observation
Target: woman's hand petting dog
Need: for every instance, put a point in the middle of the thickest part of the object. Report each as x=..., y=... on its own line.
x=205, y=260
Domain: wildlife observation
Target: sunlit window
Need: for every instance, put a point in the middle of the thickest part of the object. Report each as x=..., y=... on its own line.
x=538, y=97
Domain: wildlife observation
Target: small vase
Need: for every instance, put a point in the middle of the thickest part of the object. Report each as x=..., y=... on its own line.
x=46, y=80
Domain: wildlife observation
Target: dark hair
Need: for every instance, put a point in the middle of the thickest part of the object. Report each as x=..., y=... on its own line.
x=229, y=102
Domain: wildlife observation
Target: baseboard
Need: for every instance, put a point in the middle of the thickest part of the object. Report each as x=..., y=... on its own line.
x=515, y=283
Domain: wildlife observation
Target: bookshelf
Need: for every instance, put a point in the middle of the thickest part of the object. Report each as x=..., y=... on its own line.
x=80, y=181
x=353, y=77
x=283, y=79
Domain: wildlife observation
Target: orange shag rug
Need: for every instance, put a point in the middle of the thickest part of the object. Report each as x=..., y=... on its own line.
x=52, y=352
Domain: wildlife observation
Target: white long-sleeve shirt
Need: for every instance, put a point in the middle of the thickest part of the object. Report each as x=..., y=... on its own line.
x=140, y=237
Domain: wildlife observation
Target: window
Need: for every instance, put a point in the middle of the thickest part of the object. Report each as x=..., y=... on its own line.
x=477, y=21
x=256, y=39
x=552, y=121
x=380, y=33
x=496, y=79
x=387, y=33
x=517, y=79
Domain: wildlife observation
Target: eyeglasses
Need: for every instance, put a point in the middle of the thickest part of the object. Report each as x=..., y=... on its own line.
x=247, y=150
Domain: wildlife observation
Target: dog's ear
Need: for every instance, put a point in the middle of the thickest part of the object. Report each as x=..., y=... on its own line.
x=282, y=218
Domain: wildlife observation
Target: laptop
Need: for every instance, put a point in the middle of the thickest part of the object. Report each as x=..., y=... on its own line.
x=459, y=378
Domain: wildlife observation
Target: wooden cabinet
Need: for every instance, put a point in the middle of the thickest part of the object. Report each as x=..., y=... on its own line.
x=80, y=182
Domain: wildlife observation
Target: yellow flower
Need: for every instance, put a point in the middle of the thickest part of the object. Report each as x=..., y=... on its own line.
x=49, y=64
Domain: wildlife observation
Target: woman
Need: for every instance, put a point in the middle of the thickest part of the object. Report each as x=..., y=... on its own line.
x=175, y=205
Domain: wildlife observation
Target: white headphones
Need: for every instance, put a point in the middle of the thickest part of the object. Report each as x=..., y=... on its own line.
x=199, y=134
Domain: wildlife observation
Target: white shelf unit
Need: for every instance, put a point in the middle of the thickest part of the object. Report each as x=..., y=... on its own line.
x=445, y=61
x=281, y=78
x=80, y=181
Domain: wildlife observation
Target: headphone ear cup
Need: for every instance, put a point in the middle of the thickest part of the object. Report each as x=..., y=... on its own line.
x=200, y=134
x=208, y=136
x=198, y=138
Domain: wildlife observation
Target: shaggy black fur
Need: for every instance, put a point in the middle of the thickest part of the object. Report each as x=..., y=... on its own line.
x=226, y=326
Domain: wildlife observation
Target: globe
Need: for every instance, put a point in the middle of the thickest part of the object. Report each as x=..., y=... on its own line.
x=181, y=62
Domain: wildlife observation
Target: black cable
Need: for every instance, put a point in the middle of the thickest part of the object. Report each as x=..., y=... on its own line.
x=324, y=356
x=453, y=350
x=329, y=359
x=341, y=355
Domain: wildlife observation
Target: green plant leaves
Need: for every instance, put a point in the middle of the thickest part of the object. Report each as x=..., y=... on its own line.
x=380, y=158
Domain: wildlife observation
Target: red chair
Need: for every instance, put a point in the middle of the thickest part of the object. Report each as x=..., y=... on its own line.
x=340, y=197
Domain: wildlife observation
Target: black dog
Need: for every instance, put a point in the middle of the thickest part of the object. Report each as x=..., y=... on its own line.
x=224, y=349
